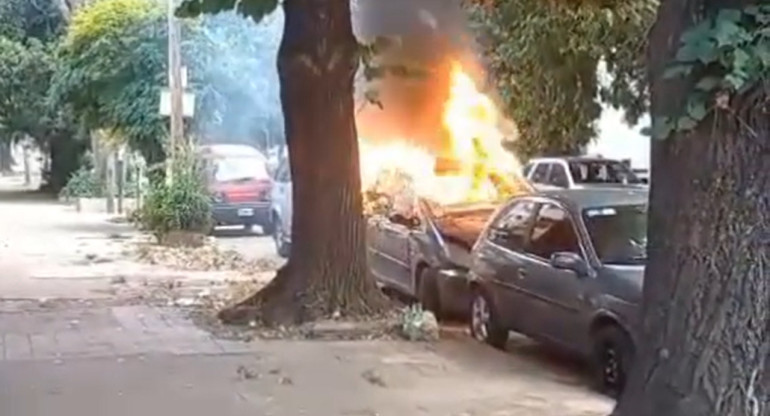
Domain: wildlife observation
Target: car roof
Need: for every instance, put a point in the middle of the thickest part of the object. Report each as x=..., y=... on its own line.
x=594, y=198
x=583, y=158
x=230, y=150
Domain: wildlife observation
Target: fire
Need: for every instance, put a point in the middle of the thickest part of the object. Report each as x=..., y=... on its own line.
x=481, y=169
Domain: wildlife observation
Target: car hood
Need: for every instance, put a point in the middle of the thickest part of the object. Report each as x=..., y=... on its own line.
x=449, y=239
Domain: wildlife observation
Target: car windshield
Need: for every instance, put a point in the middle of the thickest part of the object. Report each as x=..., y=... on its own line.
x=618, y=233
x=239, y=168
x=602, y=171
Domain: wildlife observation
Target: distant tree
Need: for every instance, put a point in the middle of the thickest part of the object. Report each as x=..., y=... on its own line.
x=543, y=58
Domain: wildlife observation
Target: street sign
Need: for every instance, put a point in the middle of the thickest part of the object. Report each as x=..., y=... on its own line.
x=188, y=103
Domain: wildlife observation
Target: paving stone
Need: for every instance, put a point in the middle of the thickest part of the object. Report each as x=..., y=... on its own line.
x=44, y=346
x=17, y=347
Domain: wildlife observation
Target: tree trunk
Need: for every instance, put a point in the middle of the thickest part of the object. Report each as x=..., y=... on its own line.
x=327, y=271
x=6, y=157
x=706, y=312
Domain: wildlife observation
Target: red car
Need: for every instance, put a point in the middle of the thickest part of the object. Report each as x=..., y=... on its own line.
x=240, y=185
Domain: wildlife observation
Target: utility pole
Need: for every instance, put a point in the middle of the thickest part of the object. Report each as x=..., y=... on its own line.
x=175, y=85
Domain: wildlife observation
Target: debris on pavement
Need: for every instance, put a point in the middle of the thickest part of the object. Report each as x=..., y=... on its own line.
x=208, y=257
x=419, y=325
x=373, y=377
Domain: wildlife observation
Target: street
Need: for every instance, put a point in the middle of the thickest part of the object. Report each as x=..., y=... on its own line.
x=81, y=336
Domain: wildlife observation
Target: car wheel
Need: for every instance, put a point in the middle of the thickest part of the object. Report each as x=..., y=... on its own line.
x=427, y=292
x=268, y=228
x=485, y=325
x=281, y=246
x=613, y=355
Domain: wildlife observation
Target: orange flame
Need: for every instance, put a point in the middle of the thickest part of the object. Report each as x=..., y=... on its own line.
x=483, y=169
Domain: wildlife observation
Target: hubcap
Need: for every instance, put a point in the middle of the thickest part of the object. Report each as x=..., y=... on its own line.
x=612, y=373
x=480, y=318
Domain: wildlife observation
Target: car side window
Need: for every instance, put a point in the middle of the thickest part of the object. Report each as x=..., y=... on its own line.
x=558, y=176
x=540, y=175
x=527, y=169
x=510, y=229
x=553, y=232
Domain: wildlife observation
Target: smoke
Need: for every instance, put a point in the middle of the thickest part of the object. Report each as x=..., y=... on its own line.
x=432, y=34
x=239, y=90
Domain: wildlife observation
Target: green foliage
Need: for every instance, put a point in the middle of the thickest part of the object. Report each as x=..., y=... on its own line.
x=24, y=19
x=83, y=184
x=724, y=55
x=544, y=57
x=113, y=66
x=182, y=205
x=25, y=72
x=255, y=9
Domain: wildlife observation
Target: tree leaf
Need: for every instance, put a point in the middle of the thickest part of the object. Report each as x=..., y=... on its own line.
x=697, y=110
x=686, y=123
x=677, y=71
x=662, y=127
x=708, y=83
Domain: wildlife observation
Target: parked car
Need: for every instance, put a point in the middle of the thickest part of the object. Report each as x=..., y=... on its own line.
x=426, y=256
x=240, y=185
x=579, y=172
x=565, y=267
x=281, y=210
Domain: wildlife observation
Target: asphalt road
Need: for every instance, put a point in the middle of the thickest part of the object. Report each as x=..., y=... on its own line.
x=251, y=244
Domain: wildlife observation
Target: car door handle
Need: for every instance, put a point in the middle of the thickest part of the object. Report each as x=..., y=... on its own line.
x=522, y=274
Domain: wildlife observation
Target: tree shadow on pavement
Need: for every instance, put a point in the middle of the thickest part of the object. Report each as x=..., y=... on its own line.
x=24, y=196
x=521, y=357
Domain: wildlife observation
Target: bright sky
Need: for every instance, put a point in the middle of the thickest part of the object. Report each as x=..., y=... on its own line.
x=617, y=140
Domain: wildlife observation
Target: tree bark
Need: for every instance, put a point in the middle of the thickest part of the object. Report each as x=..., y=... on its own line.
x=6, y=157
x=327, y=271
x=706, y=311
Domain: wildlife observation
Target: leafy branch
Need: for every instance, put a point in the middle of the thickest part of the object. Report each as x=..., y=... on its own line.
x=725, y=55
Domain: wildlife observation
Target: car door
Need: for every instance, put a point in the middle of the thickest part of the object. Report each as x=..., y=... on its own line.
x=395, y=252
x=502, y=258
x=557, y=297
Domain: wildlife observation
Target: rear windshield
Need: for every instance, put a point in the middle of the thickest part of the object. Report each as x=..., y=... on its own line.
x=239, y=168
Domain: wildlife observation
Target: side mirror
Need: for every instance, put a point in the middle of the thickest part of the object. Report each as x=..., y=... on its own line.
x=569, y=261
x=500, y=233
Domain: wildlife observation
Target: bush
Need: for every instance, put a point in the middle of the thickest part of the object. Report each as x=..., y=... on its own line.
x=82, y=184
x=183, y=205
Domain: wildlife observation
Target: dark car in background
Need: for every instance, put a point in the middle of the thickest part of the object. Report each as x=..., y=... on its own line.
x=426, y=256
x=240, y=185
x=565, y=268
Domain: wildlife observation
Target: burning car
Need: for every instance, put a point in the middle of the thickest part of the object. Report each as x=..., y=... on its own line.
x=428, y=204
x=239, y=182
x=426, y=255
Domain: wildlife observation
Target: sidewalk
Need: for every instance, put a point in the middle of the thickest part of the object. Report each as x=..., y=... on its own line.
x=78, y=339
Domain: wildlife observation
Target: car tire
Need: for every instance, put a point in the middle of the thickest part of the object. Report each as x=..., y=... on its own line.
x=281, y=246
x=428, y=293
x=484, y=322
x=268, y=228
x=613, y=354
